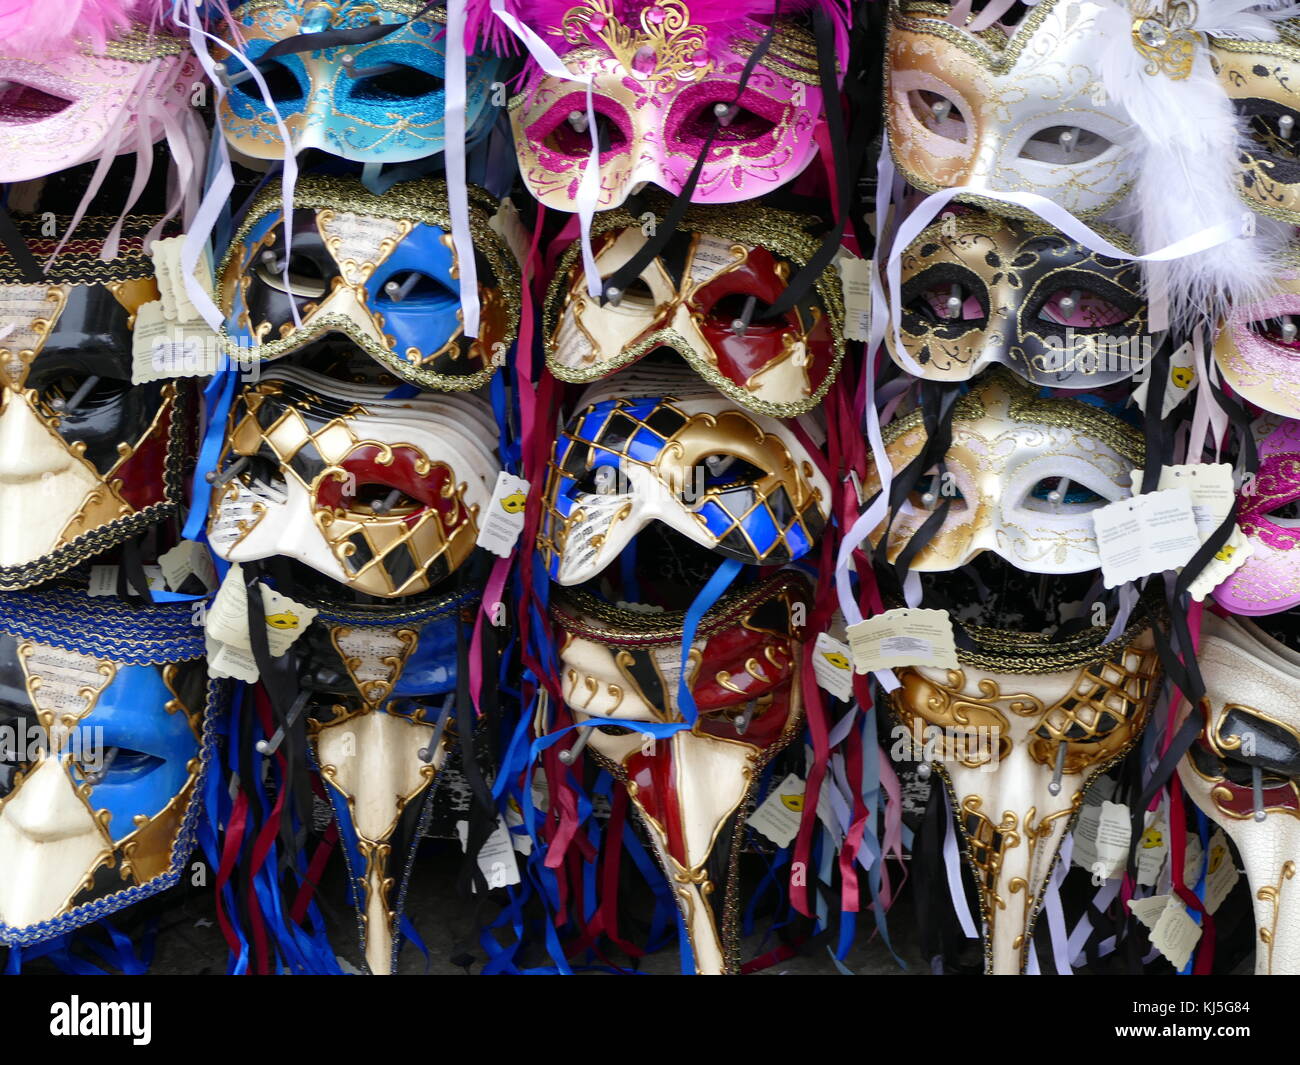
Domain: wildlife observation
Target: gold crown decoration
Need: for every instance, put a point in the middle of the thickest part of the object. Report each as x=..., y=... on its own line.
x=667, y=50
x=1164, y=37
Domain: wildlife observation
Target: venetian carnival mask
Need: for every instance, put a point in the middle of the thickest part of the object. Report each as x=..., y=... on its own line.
x=1268, y=582
x=383, y=495
x=87, y=459
x=737, y=484
x=692, y=789
x=979, y=289
x=1017, y=113
x=380, y=723
x=1021, y=479
x=62, y=105
x=1260, y=79
x=661, y=70
x=105, y=734
x=1242, y=772
x=380, y=271
x=703, y=297
x=378, y=102
x=1258, y=347
x=1020, y=732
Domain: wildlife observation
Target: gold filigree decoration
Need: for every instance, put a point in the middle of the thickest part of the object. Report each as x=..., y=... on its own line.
x=1163, y=36
x=1272, y=893
x=667, y=50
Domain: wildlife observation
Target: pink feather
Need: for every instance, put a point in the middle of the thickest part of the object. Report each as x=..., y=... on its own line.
x=46, y=26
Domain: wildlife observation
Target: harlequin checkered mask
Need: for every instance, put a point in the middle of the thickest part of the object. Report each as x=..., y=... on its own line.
x=87, y=459
x=1268, y=582
x=659, y=69
x=691, y=790
x=1020, y=731
x=1022, y=478
x=1243, y=771
x=378, y=270
x=704, y=298
x=106, y=734
x=112, y=87
x=385, y=496
x=378, y=102
x=380, y=724
x=736, y=483
x=980, y=289
x=989, y=110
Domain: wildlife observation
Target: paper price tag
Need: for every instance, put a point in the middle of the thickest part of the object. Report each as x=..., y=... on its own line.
x=903, y=637
x=1193, y=856
x=1173, y=932
x=188, y=558
x=227, y=661
x=1145, y=534
x=833, y=666
x=496, y=858
x=1183, y=381
x=1153, y=848
x=855, y=278
x=103, y=580
x=778, y=816
x=1221, y=874
x=505, y=515
x=1101, y=839
x=1226, y=561
x=1210, y=486
x=227, y=618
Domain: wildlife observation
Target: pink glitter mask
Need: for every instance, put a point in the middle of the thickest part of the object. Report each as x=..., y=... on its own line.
x=657, y=98
x=1269, y=582
x=1259, y=354
x=59, y=110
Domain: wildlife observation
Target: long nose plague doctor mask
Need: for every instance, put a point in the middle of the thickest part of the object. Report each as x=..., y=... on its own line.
x=87, y=460
x=1028, y=725
x=381, y=725
x=1243, y=769
x=980, y=289
x=106, y=731
x=736, y=484
x=1025, y=475
x=703, y=298
x=1268, y=582
x=385, y=496
x=381, y=101
x=84, y=81
x=692, y=789
x=379, y=271
x=660, y=72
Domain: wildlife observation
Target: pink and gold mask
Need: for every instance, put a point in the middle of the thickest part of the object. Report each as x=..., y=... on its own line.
x=1010, y=114
x=1258, y=350
x=658, y=74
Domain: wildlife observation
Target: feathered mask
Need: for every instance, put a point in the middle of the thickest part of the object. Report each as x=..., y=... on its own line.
x=47, y=27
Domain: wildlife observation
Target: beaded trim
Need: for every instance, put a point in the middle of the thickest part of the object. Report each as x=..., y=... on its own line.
x=79, y=262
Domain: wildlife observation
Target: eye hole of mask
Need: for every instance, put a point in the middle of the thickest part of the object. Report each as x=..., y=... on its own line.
x=405, y=83
x=57, y=394
x=306, y=276
x=637, y=298
x=1080, y=309
x=568, y=139
x=938, y=114
x=947, y=303
x=1281, y=332
x=933, y=489
x=731, y=308
x=21, y=104
x=414, y=287
x=120, y=765
x=722, y=471
x=743, y=125
x=1269, y=131
x=376, y=497
x=1064, y=145
x=1286, y=514
x=1047, y=496
x=282, y=84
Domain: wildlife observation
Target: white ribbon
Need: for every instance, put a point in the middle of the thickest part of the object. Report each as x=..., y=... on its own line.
x=457, y=193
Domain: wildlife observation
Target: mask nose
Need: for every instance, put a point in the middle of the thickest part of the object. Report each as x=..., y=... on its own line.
x=46, y=808
x=29, y=449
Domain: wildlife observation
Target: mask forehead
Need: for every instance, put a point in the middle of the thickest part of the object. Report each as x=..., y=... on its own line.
x=1007, y=104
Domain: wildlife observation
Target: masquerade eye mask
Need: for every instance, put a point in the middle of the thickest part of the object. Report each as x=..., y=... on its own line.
x=1260, y=79
x=385, y=496
x=1258, y=349
x=378, y=723
x=1027, y=725
x=979, y=289
x=381, y=101
x=62, y=108
x=1010, y=114
x=87, y=460
x=378, y=270
x=106, y=729
x=735, y=483
x=659, y=71
x=692, y=789
x=1243, y=772
x=1269, y=580
x=722, y=267
x=1022, y=478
